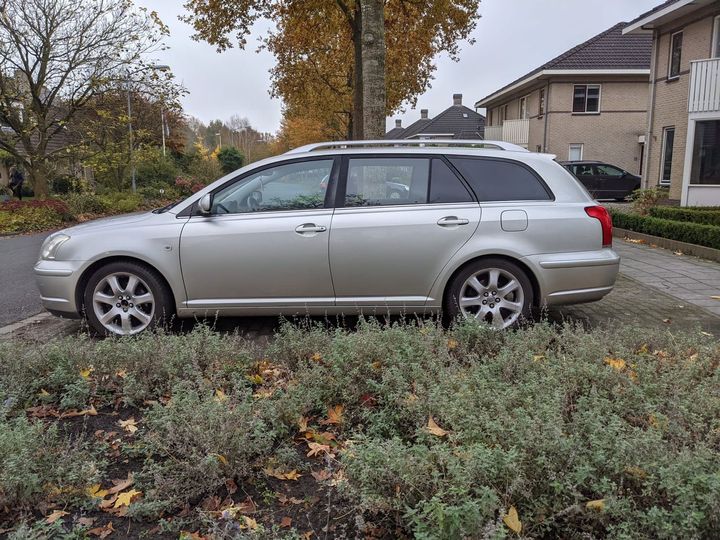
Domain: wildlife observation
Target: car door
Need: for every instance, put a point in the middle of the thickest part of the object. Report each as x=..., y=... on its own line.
x=399, y=221
x=265, y=242
x=614, y=182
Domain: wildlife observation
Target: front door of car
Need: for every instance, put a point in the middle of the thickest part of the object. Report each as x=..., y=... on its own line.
x=399, y=220
x=614, y=182
x=265, y=242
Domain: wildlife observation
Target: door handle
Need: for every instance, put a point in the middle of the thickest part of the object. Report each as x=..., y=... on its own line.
x=306, y=228
x=452, y=221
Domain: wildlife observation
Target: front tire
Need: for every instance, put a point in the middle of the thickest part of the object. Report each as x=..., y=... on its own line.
x=126, y=298
x=493, y=291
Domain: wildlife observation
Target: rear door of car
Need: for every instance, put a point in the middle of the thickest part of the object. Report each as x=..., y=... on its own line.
x=388, y=245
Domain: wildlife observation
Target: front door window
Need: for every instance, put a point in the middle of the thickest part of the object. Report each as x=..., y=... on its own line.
x=706, y=153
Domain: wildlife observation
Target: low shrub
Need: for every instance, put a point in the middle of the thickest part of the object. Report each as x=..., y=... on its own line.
x=37, y=464
x=35, y=215
x=121, y=202
x=645, y=199
x=692, y=233
x=691, y=215
x=85, y=203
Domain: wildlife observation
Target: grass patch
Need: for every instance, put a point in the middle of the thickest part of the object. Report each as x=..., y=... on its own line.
x=387, y=431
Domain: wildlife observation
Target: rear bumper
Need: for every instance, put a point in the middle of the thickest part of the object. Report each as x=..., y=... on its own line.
x=57, y=282
x=574, y=278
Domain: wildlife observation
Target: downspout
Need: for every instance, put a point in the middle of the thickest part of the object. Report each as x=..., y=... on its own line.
x=651, y=111
x=547, y=116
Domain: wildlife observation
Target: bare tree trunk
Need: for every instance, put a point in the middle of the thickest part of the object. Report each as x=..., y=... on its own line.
x=39, y=180
x=373, y=68
x=357, y=117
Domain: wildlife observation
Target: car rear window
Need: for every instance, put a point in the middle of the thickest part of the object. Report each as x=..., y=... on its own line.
x=501, y=180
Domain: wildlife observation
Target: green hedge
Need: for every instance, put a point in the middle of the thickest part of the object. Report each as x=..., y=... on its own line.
x=693, y=215
x=692, y=233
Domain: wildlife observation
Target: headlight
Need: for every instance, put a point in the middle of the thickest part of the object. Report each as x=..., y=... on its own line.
x=51, y=245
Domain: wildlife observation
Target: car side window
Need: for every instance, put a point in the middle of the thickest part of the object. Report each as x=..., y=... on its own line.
x=445, y=186
x=609, y=170
x=584, y=170
x=500, y=180
x=292, y=186
x=387, y=181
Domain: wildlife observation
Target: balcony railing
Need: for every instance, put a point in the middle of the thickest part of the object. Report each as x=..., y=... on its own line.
x=704, y=93
x=512, y=131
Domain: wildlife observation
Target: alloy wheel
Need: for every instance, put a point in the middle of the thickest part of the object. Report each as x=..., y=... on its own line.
x=123, y=303
x=494, y=296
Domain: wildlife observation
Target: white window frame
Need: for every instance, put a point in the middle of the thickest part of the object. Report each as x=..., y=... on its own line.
x=670, y=57
x=662, y=181
x=716, y=38
x=541, y=103
x=581, y=146
x=523, y=104
x=587, y=87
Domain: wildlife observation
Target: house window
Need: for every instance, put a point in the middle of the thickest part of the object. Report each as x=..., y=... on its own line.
x=706, y=153
x=575, y=152
x=502, y=113
x=667, y=155
x=523, y=108
x=716, y=38
x=586, y=98
x=675, y=55
x=541, y=103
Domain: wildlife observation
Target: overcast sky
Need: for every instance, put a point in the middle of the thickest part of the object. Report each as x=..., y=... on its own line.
x=512, y=38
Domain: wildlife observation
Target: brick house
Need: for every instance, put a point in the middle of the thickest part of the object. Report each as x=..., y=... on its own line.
x=683, y=130
x=455, y=122
x=588, y=103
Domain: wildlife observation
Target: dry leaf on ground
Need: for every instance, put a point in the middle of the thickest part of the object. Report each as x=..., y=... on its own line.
x=434, y=429
x=512, y=520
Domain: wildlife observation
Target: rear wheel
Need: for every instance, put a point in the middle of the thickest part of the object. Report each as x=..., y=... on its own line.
x=126, y=298
x=493, y=291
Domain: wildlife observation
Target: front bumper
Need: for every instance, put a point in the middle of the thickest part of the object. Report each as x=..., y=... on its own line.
x=57, y=282
x=574, y=278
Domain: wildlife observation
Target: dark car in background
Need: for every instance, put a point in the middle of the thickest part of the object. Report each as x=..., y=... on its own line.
x=602, y=180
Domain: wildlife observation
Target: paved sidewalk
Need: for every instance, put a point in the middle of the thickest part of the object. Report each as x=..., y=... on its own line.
x=689, y=279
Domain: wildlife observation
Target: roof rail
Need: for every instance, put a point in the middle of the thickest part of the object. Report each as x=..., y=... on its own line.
x=422, y=143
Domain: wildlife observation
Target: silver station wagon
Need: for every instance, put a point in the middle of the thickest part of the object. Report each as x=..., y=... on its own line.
x=478, y=229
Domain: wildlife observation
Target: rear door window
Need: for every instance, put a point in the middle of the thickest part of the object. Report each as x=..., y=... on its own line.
x=501, y=180
x=445, y=186
x=387, y=181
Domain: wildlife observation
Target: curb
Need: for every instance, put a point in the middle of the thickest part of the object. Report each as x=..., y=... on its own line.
x=13, y=327
x=711, y=254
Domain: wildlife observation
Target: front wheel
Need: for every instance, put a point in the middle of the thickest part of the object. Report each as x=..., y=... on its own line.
x=493, y=291
x=125, y=298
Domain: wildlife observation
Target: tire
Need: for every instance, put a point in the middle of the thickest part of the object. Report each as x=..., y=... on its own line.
x=126, y=298
x=508, y=310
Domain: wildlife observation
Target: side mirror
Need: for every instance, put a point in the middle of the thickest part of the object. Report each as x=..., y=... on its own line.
x=205, y=204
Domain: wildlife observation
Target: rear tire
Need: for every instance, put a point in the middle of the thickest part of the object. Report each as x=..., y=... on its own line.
x=126, y=298
x=495, y=291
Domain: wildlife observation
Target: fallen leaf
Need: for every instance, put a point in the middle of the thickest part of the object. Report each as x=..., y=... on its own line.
x=317, y=357
x=334, y=415
x=538, y=357
x=321, y=475
x=302, y=424
x=86, y=521
x=85, y=373
x=222, y=459
x=43, y=393
x=121, y=485
x=667, y=321
x=95, y=492
x=187, y=535
x=250, y=523
x=618, y=364
x=434, y=429
x=284, y=499
x=452, y=344
x=512, y=520
x=316, y=449
x=678, y=253
x=103, y=532
x=636, y=472
x=291, y=475
x=286, y=522
x=597, y=505
x=231, y=486
x=129, y=425
x=220, y=395
x=86, y=412
x=702, y=332
x=127, y=497
x=121, y=373
x=715, y=297
x=57, y=514
x=255, y=379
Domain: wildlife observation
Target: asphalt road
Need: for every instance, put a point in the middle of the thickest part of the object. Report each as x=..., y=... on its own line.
x=19, y=296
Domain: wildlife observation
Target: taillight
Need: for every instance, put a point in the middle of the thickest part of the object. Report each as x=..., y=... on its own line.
x=601, y=214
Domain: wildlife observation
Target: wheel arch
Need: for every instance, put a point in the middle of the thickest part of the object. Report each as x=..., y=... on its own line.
x=523, y=266
x=90, y=270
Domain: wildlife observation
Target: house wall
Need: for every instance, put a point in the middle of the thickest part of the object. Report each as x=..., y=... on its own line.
x=612, y=135
x=670, y=108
